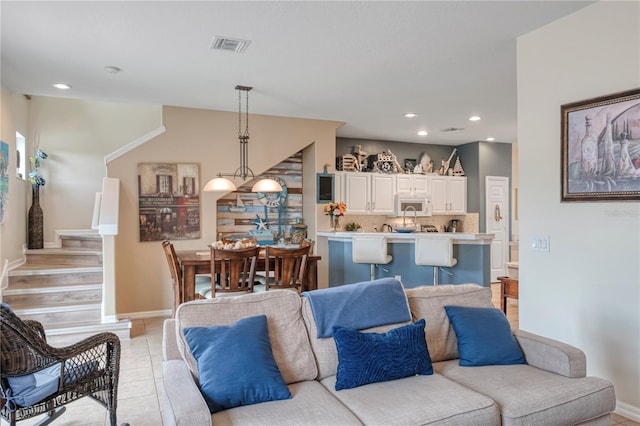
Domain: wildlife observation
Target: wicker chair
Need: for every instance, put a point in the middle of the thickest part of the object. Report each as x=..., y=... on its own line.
x=87, y=368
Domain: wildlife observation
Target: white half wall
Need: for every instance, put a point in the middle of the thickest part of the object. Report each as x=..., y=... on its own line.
x=586, y=290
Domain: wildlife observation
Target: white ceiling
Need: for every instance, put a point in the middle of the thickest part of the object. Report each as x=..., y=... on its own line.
x=363, y=63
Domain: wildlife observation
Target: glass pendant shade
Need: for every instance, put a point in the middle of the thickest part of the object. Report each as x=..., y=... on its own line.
x=267, y=185
x=220, y=184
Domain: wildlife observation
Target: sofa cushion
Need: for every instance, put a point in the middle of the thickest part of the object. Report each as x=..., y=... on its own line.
x=288, y=335
x=312, y=405
x=378, y=357
x=428, y=302
x=484, y=336
x=324, y=349
x=531, y=396
x=235, y=364
x=417, y=400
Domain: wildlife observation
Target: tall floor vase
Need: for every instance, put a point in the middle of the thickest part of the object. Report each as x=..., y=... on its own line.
x=36, y=227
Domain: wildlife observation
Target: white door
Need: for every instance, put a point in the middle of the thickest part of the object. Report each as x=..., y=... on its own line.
x=497, y=223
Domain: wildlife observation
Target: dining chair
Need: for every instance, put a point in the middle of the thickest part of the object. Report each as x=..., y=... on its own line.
x=235, y=269
x=203, y=282
x=286, y=267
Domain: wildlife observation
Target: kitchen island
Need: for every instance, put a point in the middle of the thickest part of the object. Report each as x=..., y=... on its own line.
x=472, y=251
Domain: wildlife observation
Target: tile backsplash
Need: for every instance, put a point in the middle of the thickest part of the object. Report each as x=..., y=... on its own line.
x=371, y=223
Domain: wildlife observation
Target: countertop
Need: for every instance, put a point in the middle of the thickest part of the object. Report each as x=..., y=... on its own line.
x=400, y=237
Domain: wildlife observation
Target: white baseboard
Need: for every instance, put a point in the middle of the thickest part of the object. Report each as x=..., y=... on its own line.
x=146, y=314
x=628, y=411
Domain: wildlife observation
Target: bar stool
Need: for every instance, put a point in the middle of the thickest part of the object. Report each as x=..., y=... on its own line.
x=370, y=249
x=434, y=251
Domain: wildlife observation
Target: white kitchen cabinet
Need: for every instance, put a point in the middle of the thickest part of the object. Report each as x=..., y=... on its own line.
x=449, y=194
x=338, y=186
x=369, y=193
x=412, y=184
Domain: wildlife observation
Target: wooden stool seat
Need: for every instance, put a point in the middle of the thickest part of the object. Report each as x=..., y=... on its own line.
x=508, y=288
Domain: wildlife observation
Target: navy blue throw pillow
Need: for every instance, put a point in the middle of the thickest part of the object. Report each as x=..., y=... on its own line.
x=379, y=357
x=235, y=364
x=484, y=337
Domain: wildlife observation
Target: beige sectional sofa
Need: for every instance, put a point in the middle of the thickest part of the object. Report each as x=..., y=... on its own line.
x=551, y=389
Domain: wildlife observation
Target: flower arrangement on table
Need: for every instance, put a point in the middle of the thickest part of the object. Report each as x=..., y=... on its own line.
x=335, y=209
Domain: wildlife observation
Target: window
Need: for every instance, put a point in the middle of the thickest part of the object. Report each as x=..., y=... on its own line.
x=21, y=163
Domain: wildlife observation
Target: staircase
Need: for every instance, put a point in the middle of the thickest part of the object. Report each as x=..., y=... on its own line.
x=62, y=288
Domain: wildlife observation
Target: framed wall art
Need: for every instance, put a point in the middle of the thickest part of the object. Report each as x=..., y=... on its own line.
x=601, y=148
x=168, y=201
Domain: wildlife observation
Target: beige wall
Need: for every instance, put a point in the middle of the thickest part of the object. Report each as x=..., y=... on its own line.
x=209, y=138
x=77, y=135
x=586, y=291
x=14, y=117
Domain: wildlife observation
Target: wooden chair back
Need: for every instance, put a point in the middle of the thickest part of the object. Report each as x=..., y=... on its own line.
x=288, y=265
x=176, y=274
x=235, y=269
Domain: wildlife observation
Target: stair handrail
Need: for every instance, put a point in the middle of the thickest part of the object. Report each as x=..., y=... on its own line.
x=106, y=207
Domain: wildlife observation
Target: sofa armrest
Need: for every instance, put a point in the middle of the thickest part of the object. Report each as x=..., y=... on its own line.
x=169, y=344
x=552, y=355
x=183, y=402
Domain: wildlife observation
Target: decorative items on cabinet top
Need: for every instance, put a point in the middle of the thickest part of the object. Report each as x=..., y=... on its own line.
x=387, y=162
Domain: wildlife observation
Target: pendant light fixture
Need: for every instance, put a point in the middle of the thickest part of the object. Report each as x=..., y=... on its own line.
x=220, y=183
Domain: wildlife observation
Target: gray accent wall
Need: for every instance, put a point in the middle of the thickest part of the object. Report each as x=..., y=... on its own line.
x=479, y=160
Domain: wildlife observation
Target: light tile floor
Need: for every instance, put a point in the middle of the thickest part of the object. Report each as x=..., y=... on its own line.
x=140, y=390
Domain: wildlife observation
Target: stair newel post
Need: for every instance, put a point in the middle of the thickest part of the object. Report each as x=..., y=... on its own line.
x=36, y=226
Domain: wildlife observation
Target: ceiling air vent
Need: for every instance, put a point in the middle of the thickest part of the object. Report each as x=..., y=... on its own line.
x=452, y=129
x=230, y=44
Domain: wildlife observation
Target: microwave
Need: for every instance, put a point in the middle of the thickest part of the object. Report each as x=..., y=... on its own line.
x=420, y=202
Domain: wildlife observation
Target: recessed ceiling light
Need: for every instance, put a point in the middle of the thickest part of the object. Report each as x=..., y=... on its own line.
x=62, y=86
x=422, y=133
x=474, y=118
x=410, y=115
x=490, y=139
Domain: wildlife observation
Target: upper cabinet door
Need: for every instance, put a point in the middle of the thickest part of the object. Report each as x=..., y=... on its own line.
x=421, y=184
x=449, y=194
x=439, y=194
x=458, y=195
x=404, y=184
x=357, y=189
x=383, y=189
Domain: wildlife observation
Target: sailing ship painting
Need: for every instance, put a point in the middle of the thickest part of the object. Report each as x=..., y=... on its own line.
x=601, y=148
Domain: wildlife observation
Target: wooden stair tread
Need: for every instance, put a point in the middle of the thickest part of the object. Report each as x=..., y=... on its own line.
x=65, y=250
x=52, y=268
x=24, y=288
x=59, y=307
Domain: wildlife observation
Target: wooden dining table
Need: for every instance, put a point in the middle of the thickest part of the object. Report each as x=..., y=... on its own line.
x=196, y=262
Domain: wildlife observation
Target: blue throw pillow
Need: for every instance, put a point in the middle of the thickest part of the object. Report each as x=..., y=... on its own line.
x=378, y=357
x=236, y=364
x=484, y=336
